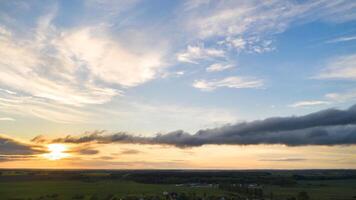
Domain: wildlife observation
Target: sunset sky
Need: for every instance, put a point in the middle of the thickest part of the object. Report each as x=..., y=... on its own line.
x=178, y=84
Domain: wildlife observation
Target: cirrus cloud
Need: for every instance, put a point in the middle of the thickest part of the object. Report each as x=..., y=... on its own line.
x=229, y=82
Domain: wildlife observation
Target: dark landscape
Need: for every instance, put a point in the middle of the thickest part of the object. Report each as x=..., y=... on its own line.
x=177, y=184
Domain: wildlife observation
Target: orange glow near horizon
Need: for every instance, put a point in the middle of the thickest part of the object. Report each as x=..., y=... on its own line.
x=56, y=152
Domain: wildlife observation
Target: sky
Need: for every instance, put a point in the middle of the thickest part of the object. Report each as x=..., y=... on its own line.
x=186, y=84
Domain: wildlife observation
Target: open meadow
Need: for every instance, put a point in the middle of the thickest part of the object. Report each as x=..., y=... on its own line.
x=105, y=185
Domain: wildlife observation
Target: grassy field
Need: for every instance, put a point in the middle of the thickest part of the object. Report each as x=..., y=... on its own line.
x=69, y=189
x=326, y=189
x=101, y=184
x=341, y=190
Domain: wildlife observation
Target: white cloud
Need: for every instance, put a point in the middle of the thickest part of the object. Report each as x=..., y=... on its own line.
x=342, y=39
x=35, y=107
x=67, y=66
x=229, y=82
x=330, y=98
x=231, y=18
x=342, y=67
x=239, y=22
x=251, y=44
x=216, y=67
x=6, y=119
x=308, y=103
x=7, y=91
x=39, y=68
x=237, y=43
x=341, y=97
x=195, y=53
x=110, y=61
x=54, y=74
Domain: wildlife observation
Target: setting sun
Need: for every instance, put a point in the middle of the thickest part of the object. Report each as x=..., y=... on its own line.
x=56, y=152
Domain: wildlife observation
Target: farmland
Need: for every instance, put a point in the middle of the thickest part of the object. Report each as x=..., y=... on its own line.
x=162, y=184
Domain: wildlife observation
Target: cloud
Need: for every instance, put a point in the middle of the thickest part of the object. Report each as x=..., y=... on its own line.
x=217, y=67
x=249, y=26
x=55, y=73
x=10, y=158
x=105, y=162
x=109, y=60
x=329, y=98
x=342, y=39
x=7, y=91
x=9, y=146
x=7, y=119
x=83, y=149
x=77, y=66
x=229, y=82
x=130, y=151
x=308, y=103
x=32, y=106
x=41, y=67
x=285, y=160
x=88, y=151
x=342, y=96
x=195, y=53
x=250, y=44
x=230, y=18
x=326, y=127
x=342, y=67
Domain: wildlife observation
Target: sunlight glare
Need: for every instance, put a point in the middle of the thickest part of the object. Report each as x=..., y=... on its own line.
x=56, y=152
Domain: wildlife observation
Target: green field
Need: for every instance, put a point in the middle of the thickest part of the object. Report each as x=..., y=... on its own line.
x=342, y=190
x=326, y=189
x=101, y=189
x=187, y=185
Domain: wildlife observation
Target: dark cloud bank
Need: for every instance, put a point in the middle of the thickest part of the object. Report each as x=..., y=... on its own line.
x=326, y=127
x=12, y=150
x=9, y=146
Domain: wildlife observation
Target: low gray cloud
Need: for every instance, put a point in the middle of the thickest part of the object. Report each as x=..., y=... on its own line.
x=88, y=151
x=285, y=160
x=10, y=158
x=130, y=151
x=9, y=146
x=326, y=127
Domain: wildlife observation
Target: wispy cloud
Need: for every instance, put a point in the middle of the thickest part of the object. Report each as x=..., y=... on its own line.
x=285, y=160
x=229, y=82
x=239, y=20
x=217, y=67
x=37, y=107
x=7, y=119
x=341, y=96
x=342, y=67
x=130, y=151
x=236, y=17
x=195, y=53
x=77, y=66
x=42, y=73
x=342, y=39
x=308, y=103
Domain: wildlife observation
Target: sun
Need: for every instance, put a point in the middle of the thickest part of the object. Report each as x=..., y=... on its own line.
x=56, y=151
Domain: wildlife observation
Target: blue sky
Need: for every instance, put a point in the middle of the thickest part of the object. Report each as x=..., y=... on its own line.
x=157, y=66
